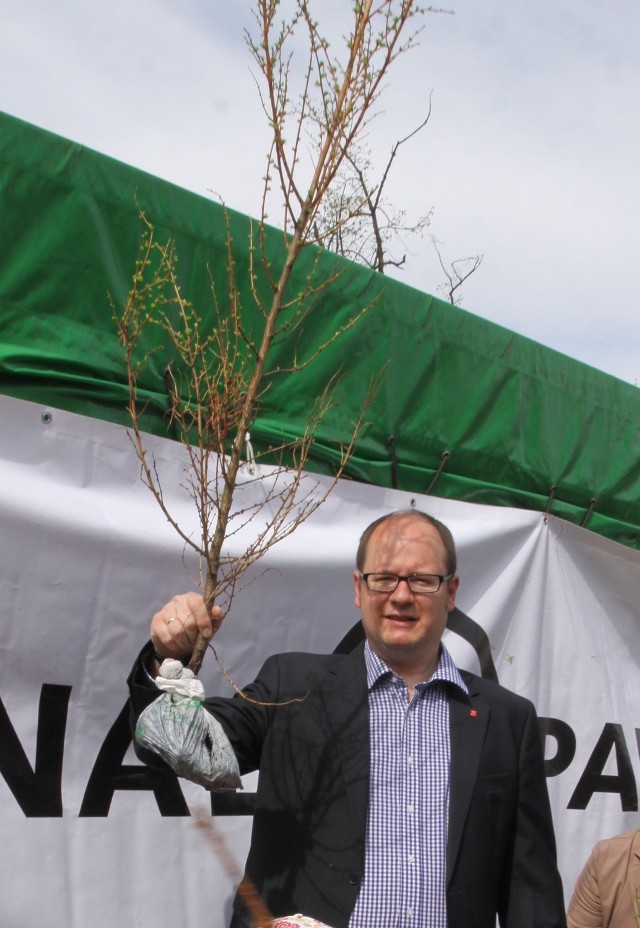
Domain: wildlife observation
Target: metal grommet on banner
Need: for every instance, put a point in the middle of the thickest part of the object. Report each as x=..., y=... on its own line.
x=443, y=460
x=589, y=512
x=46, y=417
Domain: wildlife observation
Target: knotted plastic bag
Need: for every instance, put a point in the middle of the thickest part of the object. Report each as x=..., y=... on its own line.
x=178, y=728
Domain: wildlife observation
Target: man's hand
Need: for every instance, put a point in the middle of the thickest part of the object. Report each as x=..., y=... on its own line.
x=176, y=626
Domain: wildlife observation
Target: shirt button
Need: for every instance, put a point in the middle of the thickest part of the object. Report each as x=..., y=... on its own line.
x=410, y=809
x=409, y=912
x=409, y=760
x=410, y=859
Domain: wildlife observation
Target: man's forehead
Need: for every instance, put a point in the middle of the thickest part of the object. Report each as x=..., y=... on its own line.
x=405, y=532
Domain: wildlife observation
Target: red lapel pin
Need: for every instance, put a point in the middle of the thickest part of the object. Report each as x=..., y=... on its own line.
x=473, y=713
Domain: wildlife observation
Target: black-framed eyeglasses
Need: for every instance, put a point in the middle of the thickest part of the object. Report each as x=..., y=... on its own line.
x=417, y=583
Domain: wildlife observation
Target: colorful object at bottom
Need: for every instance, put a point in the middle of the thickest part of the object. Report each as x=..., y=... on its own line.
x=298, y=921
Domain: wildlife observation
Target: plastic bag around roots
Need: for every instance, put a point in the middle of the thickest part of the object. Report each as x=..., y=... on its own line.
x=178, y=728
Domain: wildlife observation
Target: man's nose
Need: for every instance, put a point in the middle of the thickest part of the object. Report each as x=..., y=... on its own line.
x=402, y=591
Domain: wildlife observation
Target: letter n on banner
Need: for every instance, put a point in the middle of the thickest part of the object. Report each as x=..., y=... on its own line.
x=37, y=791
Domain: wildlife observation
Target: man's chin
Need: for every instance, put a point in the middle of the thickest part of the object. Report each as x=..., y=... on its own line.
x=402, y=639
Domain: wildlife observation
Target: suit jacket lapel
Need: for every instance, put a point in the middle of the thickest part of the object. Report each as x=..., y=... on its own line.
x=468, y=724
x=346, y=704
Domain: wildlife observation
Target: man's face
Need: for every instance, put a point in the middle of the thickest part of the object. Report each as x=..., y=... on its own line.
x=402, y=627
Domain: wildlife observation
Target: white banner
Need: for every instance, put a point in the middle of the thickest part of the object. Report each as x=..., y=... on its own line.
x=89, y=836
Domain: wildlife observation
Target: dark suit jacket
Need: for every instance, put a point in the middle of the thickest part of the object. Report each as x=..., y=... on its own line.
x=307, y=846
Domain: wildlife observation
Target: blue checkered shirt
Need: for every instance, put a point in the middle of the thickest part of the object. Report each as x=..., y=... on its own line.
x=404, y=882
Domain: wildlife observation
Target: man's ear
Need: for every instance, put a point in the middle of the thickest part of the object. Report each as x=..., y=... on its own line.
x=356, y=582
x=454, y=583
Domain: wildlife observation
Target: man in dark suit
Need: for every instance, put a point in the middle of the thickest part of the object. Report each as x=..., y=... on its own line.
x=395, y=791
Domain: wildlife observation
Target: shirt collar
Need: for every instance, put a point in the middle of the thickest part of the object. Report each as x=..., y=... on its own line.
x=445, y=671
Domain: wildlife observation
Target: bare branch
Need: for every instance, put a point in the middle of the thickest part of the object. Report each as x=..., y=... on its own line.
x=457, y=273
x=357, y=221
x=217, y=360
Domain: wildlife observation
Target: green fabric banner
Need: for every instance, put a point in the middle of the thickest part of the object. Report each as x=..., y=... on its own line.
x=465, y=409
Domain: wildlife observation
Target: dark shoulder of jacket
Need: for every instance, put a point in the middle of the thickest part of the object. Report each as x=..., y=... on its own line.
x=308, y=666
x=494, y=692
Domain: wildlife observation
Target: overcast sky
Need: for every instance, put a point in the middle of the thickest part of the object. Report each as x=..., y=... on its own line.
x=530, y=156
